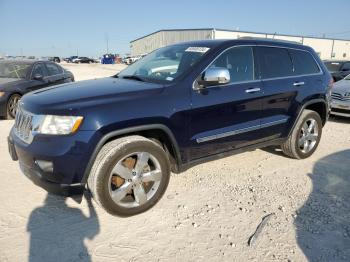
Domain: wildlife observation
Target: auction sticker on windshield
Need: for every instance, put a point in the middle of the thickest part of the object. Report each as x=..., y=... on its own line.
x=198, y=49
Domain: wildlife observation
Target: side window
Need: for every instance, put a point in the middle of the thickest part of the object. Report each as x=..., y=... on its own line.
x=53, y=69
x=303, y=62
x=38, y=69
x=239, y=61
x=346, y=67
x=274, y=62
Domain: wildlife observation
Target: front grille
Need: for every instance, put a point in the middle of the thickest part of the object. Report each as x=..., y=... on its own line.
x=340, y=97
x=23, y=124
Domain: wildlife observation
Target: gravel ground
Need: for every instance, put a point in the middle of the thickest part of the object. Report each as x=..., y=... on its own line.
x=207, y=214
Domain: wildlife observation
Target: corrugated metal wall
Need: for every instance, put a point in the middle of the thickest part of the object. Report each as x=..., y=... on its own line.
x=326, y=48
x=164, y=38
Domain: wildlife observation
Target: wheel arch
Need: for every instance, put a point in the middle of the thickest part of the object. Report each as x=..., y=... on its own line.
x=156, y=132
x=317, y=105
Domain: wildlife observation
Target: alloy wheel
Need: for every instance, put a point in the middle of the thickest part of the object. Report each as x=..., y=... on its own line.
x=135, y=179
x=308, y=135
x=12, y=105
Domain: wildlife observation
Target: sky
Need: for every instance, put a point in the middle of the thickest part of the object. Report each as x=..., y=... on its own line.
x=70, y=27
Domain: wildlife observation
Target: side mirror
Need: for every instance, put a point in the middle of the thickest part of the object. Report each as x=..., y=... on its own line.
x=214, y=76
x=345, y=69
x=38, y=77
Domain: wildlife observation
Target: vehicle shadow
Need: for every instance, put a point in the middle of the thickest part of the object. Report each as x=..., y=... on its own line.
x=276, y=150
x=57, y=231
x=323, y=222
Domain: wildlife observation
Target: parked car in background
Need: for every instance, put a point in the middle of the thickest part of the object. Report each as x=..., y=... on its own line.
x=338, y=69
x=179, y=106
x=83, y=60
x=70, y=59
x=55, y=59
x=126, y=60
x=341, y=98
x=20, y=77
x=108, y=59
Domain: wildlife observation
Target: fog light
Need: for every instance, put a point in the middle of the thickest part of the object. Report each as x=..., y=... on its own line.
x=46, y=166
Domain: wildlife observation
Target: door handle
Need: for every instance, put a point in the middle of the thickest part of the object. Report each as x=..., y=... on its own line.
x=253, y=90
x=299, y=84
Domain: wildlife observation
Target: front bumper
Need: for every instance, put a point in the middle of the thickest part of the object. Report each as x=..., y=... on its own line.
x=68, y=156
x=3, y=106
x=340, y=108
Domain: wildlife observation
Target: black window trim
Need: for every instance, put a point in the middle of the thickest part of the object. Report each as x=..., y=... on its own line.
x=254, y=59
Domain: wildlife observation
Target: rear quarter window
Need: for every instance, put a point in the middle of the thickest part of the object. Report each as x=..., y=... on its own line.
x=303, y=62
x=274, y=62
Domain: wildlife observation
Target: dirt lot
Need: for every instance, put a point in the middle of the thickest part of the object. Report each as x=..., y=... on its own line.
x=207, y=214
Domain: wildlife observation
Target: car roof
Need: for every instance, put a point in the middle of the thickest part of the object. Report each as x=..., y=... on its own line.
x=19, y=61
x=246, y=40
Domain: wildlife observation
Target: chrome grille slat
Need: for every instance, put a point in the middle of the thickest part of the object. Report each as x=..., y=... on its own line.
x=340, y=97
x=23, y=125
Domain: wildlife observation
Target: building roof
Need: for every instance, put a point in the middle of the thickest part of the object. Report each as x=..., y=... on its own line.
x=238, y=31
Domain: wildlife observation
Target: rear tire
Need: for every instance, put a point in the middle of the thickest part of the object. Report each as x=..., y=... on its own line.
x=136, y=191
x=305, y=136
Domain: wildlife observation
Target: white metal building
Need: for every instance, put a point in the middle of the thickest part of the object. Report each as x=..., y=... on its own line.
x=327, y=48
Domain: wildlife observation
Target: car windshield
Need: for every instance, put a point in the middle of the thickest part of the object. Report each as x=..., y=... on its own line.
x=165, y=64
x=13, y=70
x=333, y=66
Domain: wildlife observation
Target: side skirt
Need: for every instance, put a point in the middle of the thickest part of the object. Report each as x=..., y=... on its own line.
x=196, y=162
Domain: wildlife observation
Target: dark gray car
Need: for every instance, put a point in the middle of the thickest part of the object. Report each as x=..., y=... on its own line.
x=20, y=77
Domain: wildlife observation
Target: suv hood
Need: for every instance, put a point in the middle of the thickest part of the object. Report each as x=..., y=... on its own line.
x=342, y=86
x=91, y=93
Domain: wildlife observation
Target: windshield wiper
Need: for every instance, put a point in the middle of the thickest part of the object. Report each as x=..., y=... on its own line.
x=134, y=77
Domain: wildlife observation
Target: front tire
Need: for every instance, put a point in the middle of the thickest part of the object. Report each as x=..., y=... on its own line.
x=129, y=176
x=11, y=107
x=305, y=136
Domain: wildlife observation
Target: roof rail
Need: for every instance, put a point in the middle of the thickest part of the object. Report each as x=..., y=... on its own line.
x=269, y=39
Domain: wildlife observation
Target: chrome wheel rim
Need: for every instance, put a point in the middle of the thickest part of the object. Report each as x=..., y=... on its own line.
x=308, y=135
x=135, y=179
x=12, y=105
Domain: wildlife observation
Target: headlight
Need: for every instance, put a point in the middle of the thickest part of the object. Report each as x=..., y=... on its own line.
x=60, y=125
x=2, y=94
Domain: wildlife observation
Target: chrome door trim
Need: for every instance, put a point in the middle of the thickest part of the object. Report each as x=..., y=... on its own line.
x=240, y=131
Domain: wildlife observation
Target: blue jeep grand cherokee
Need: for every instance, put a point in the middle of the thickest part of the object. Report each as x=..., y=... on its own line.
x=181, y=105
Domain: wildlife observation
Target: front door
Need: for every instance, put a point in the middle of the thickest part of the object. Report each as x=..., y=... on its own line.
x=227, y=117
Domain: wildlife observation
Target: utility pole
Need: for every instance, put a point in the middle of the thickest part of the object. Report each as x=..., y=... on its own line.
x=107, y=39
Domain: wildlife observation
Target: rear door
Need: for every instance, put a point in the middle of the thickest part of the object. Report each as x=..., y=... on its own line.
x=285, y=85
x=227, y=117
x=55, y=74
